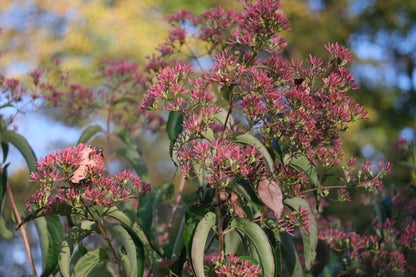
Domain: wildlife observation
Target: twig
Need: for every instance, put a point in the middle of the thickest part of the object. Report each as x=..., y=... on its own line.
x=404, y=189
x=226, y=121
x=220, y=230
x=22, y=230
x=108, y=241
x=174, y=209
x=324, y=187
x=108, y=134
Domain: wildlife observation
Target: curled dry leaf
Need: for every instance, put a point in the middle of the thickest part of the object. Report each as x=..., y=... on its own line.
x=88, y=160
x=271, y=195
x=237, y=209
x=303, y=83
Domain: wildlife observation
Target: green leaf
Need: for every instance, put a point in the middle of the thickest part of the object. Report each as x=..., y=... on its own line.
x=3, y=184
x=147, y=211
x=22, y=145
x=197, y=175
x=70, y=241
x=331, y=270
x=94, y=263
x=63, y=209
x=227, y=92
x=141, y=259
x=51, y=233
x=208, y=133
x=124, y=99
x=129, y=260
x=117, y=214
x=5, y=148
x=278, y=151
x=171, y=155
x=199, y=240
x=174, y=128
x=137, y=234
x=80, y=251
x=133, y=154
x=6, y=105
x=193, y=216
x=310, y=241
x=248, y=258
x=179, y=250
x=335, y=265
x=245, y=191
x=261, y=242
x=407, y=164
x=233, y=243
x=290, y=256
x=250, y=139
x=221, y=116
x=179, y=263
x=135, y=160
x=125, y=136
x=274, y=238
x=179, y=242
x=302, y=163
x=174, y=125
x=89, y=132
x=4, y=231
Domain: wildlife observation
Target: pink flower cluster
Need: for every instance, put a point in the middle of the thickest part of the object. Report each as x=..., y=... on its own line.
x=383, y=253
x=74, y=178
x=219, y=161
x=11, y=96
x=123, y=84
x=295, y=219
x=122, y=69
x=405, y=146
x=52, y=85
x=367, y=175
x=233, y=266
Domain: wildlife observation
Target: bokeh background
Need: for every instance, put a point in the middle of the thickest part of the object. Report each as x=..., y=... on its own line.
x=381, y=34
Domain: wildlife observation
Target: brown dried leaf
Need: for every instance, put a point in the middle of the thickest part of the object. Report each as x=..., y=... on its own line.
x=271, y=195
x=87, y=161
x=303, y=83
x=237, y=209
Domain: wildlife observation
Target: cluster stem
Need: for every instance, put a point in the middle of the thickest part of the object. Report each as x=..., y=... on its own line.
x=22, y=230
x=220, y=230
x=117, y=260
x=175, y=208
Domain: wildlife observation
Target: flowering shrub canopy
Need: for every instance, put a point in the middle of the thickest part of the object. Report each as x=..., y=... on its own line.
x=257, y=135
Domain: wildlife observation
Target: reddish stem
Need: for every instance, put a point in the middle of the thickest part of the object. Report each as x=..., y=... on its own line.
x=175, y=208
x=118, y=262
x=220, y=230
x=325, y=187
x=22, y=230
